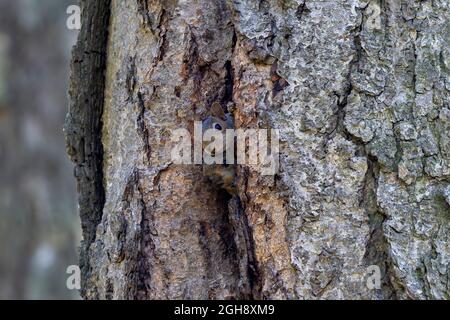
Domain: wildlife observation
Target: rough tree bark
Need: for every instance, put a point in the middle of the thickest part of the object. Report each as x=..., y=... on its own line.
x=360, y=92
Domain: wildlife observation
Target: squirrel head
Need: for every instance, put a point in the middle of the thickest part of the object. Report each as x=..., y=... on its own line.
x=217, y=120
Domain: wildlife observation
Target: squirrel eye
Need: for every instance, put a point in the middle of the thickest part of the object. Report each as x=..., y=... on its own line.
x=217, y=126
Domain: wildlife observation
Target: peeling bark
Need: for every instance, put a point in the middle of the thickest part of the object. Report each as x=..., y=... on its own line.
x=84, y=124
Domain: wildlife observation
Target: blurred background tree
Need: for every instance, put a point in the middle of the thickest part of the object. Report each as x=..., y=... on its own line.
x=39, y=226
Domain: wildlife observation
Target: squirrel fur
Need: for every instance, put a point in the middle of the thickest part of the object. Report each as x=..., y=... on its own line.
x=221, y=175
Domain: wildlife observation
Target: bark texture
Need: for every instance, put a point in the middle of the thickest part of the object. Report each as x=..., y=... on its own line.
x=83, y=125
x=360, y=93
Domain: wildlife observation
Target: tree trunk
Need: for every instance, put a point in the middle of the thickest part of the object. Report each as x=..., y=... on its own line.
x=360, y=93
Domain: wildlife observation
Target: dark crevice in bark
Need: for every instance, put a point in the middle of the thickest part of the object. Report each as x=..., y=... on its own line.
x=243, y=238
x=235, y=225
x=162, y=27
x=109, y=294
x=143, y=130
x=84, y=122
x=245, y=253
x=137, y=253
x=146, y=250
x=254, y=278
x=131, y=77
x=377, y=248
x=229, y=83
x=229, y=79
x=301, y=10
x=227, y=239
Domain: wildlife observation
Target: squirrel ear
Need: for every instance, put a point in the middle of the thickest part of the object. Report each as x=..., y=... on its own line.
x=217, y=111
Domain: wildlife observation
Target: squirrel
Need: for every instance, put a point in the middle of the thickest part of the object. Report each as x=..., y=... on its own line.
x=221, y=175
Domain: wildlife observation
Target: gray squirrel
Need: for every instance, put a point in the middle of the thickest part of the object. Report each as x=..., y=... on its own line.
x=222, y=175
